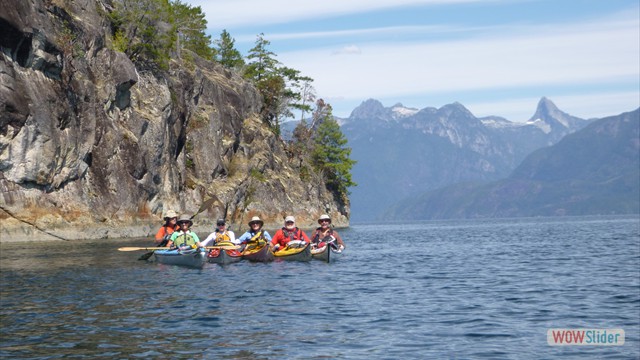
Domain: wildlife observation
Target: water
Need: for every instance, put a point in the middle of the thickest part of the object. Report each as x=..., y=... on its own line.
x=473, y=289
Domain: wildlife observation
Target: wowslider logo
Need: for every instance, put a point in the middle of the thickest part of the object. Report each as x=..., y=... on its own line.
x=602, y=337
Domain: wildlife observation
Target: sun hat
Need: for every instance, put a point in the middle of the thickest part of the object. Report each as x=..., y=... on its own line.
x=256, y=219
x=324, y=217
x=220, y=222
x=170, y=214
x=289, y=218
x=185, y=218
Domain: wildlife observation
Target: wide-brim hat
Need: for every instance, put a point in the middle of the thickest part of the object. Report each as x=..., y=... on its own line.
x=170, y=214
x=256, y=219
x=185, y=218
x=324, y=217
x=289, y=218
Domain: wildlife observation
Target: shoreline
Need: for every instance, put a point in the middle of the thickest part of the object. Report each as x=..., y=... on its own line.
x=20, y=233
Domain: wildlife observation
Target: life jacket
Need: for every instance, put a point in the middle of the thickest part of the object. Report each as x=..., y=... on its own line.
x=258, y=238
x=316, y=237
x=184, y=238
x=222, y=236
x=167, y=230
x=295, y=234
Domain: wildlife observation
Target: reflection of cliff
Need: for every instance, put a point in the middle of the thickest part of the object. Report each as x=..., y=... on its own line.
x=88, y=142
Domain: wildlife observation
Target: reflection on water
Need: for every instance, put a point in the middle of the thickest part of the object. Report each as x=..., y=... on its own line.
x=474, y=289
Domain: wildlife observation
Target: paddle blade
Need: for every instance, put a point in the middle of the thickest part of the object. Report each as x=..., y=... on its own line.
x=224, y=247
x=132, y=248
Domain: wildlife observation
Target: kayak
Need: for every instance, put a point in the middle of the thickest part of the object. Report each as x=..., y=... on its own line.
x=295, y=251
x=321, y=253
x=258, y=252
x=221, y=256
x=184, y=257
x=325, y=251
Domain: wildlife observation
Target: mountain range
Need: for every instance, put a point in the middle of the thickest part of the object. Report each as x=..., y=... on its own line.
x=593, y=171
x=402, y=152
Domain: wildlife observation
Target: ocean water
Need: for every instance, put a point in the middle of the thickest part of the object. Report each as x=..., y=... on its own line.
x=486, y=289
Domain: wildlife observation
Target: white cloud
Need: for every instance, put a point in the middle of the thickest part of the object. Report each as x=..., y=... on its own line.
x=347, y=50
x=578, y=55
x=470, y=60
x=225, y=13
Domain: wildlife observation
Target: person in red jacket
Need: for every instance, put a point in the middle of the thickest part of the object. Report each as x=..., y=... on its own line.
x=288, y=233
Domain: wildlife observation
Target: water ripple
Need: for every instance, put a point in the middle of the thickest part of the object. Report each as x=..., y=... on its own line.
x=470, y=289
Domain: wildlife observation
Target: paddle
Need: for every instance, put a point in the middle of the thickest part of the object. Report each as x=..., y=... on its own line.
x=205, y=205
x=133, y=248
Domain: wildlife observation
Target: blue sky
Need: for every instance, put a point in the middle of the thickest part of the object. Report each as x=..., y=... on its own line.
x=496, y=57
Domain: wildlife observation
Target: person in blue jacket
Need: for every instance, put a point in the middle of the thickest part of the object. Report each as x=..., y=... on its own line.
x=255, y=235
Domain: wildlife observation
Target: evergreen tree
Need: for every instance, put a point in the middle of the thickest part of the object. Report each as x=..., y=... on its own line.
x=283, y=89
x=189, y=25
x=297, y=93
x=148, y=30
x=227, y=55
x=135, y=24
x=301, y=140
x=262, y=62
x=331, y=156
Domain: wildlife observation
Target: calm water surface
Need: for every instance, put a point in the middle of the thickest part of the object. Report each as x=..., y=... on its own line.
x=458, y=289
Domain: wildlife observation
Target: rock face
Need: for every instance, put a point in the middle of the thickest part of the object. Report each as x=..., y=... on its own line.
x=92, y=148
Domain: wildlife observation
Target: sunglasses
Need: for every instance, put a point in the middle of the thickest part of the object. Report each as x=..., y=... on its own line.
x=289, y=222
x=325, y=221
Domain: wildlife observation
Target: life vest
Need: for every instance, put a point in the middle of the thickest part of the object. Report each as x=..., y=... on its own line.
x=258, y=238
x=184, y=239
x=295, y=234
x=316, y=237
x=220, y=237
x=168, y=230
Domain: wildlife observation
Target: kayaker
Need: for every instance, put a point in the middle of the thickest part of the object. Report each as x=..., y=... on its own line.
x=184, y=236
x=255, y=232
x=325, y=233
x=288, y=233
x=164, y=234
x=170, y=225
x=221, y=234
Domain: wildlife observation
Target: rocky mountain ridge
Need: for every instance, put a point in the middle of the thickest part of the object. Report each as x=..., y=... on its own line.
x=92, y=147
x=594, y=171
x=401, y=152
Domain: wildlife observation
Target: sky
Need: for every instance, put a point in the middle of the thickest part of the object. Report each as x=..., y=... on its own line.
x=495, y=57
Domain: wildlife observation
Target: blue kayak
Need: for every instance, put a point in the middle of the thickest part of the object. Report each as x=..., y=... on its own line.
x=184, y=257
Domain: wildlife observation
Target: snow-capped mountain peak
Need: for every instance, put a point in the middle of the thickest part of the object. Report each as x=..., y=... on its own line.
x=400, y=111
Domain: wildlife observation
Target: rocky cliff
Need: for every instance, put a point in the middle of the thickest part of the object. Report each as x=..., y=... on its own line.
x=91, y=147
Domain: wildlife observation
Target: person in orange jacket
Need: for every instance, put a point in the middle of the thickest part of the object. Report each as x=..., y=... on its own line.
x=289, y=232
x=170, y=225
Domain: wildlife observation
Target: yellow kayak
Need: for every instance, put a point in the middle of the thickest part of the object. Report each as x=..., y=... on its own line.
x=295, y=250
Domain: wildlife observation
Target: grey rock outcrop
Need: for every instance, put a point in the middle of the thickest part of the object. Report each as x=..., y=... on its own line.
x=90, y=147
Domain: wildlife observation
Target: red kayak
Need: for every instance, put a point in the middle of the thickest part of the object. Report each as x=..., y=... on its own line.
x=222, y=256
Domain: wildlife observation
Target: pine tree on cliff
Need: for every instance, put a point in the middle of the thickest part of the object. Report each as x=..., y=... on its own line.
x=227, y=54
x=331, y=155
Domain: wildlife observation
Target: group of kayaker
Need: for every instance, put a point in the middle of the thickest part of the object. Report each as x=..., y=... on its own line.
x=176, y=232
